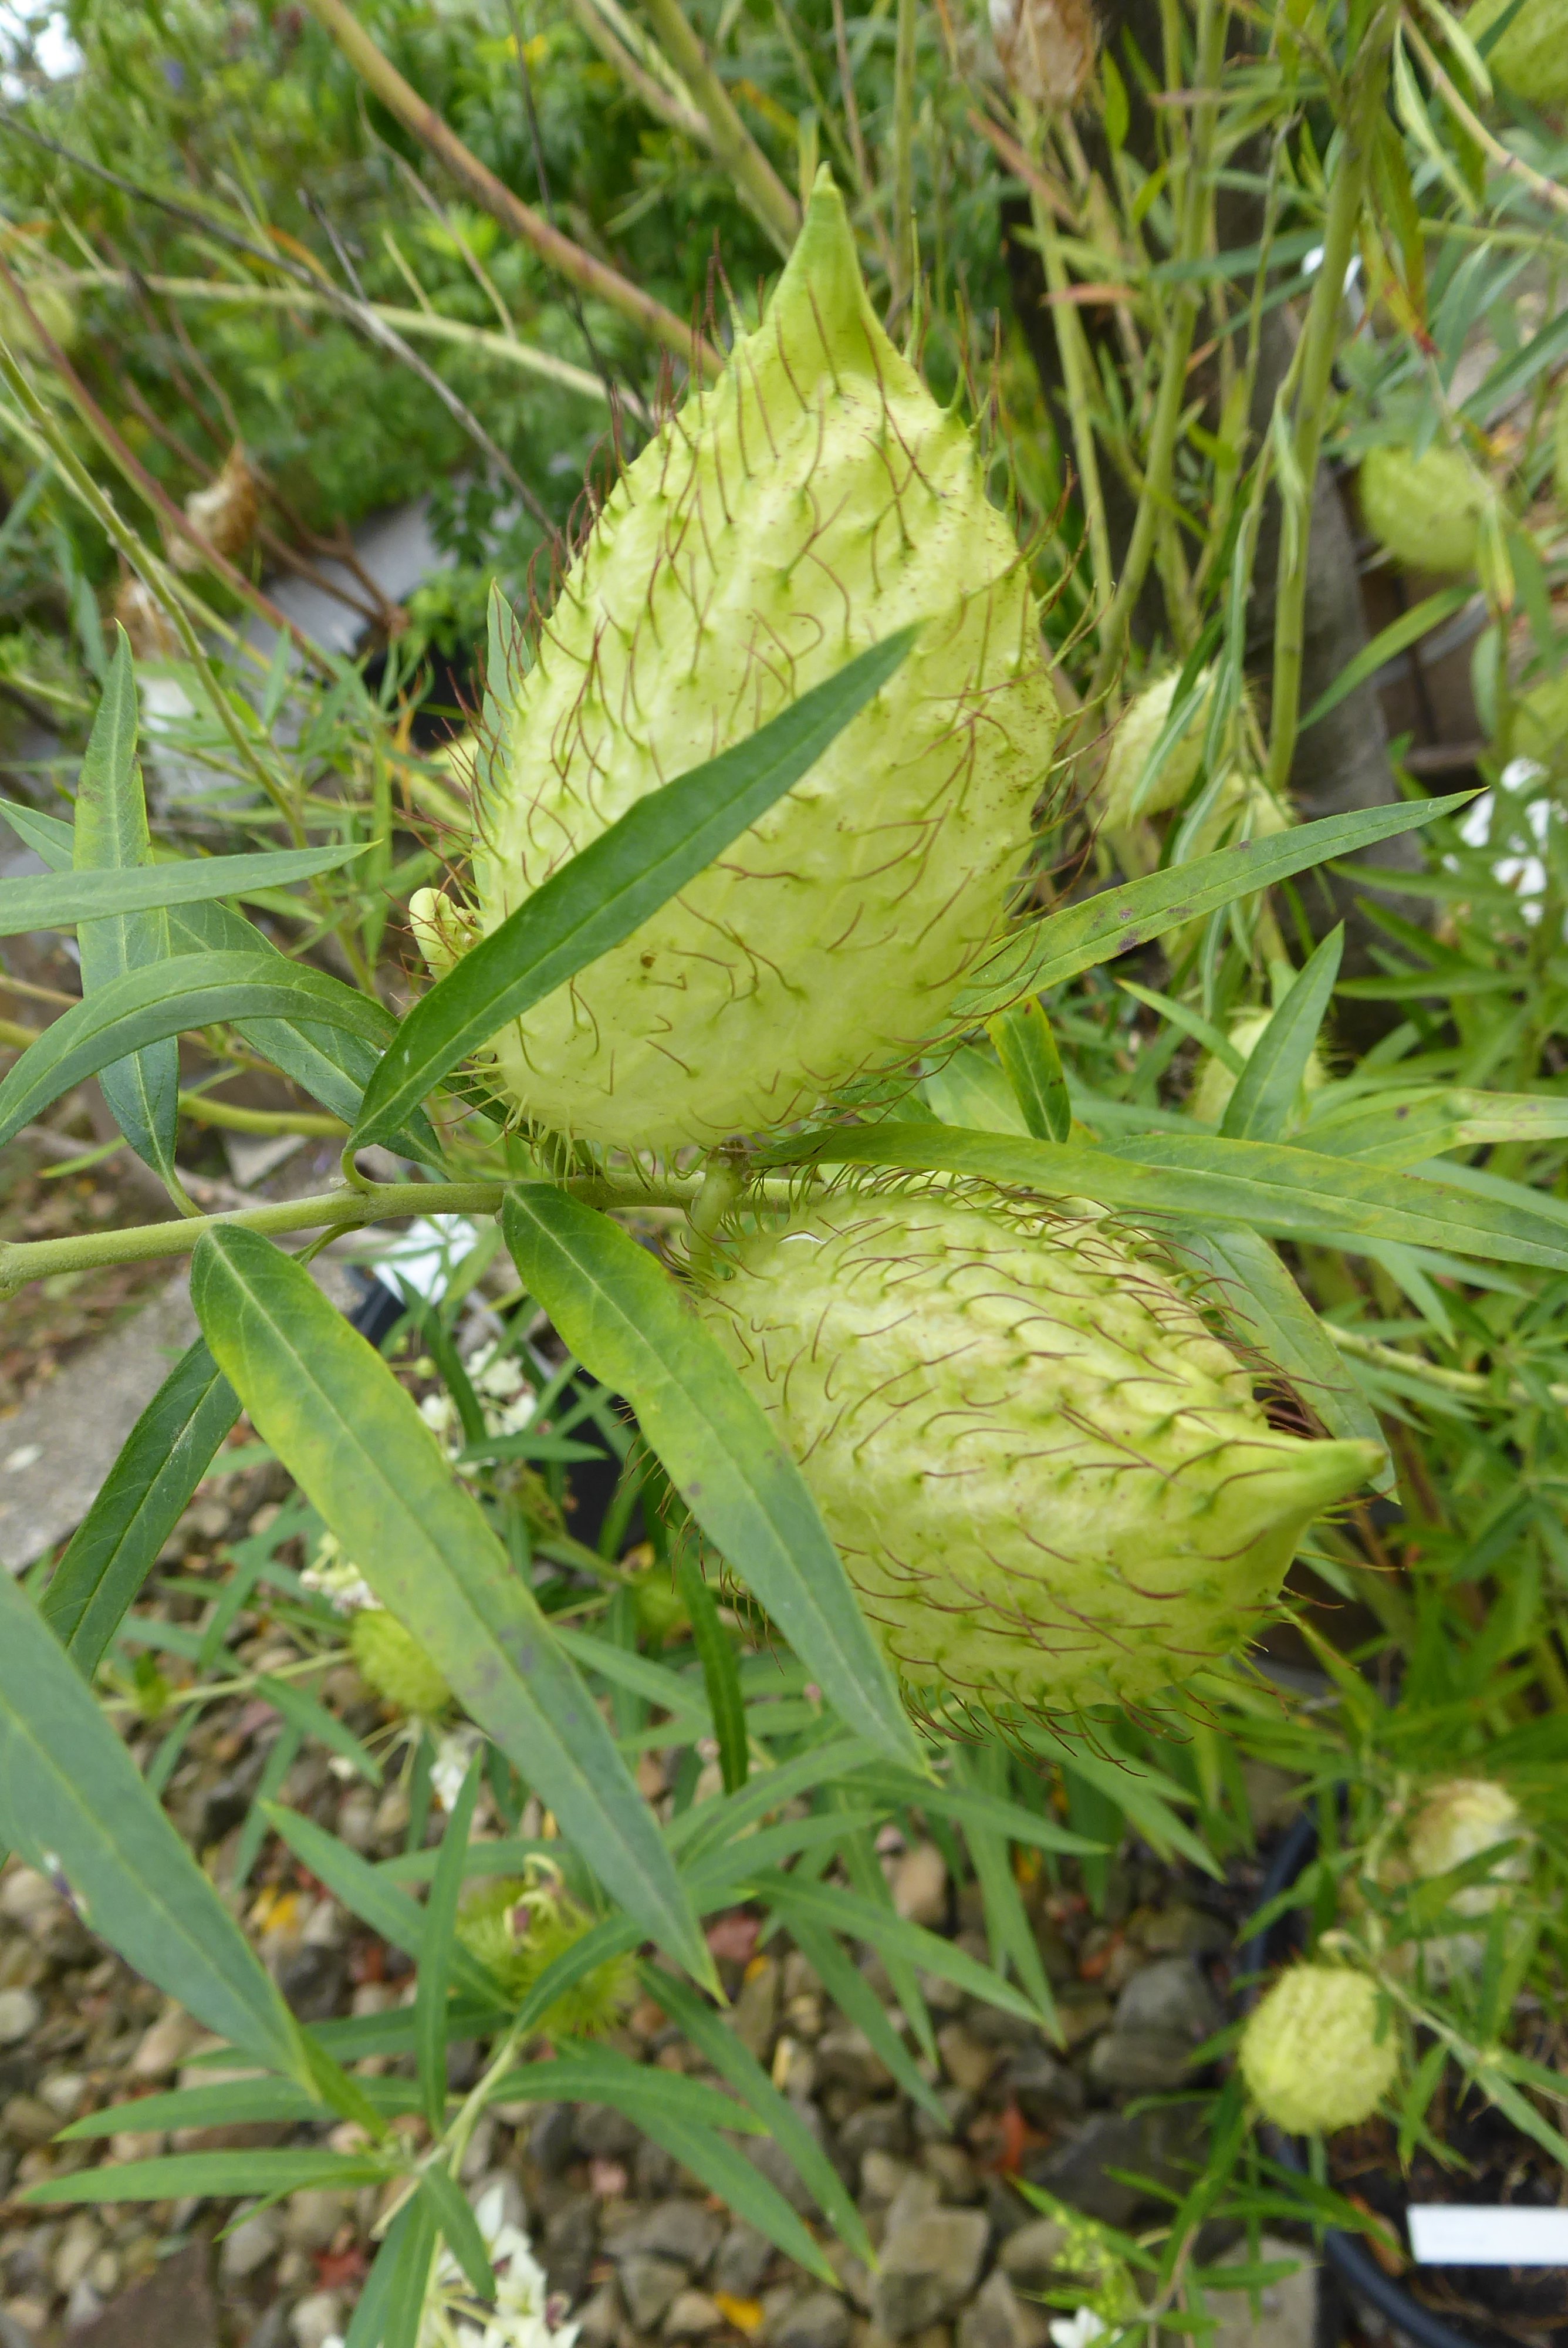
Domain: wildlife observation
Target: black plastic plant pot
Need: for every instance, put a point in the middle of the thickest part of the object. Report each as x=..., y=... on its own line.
x=1346, y=2254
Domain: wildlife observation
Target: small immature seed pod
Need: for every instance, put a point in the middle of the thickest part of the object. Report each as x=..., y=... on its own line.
x=391, y=1660
x=1137, y=731
x=518, y=1929
x=810, y=503
x=1531, y=56
x=1048, y=1480
x=1316, y=2054
x=1211, y=1094
x=1426, y=510
x=1460, y=1819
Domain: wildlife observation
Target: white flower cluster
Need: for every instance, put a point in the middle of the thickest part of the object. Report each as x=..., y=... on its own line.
x=337, y=1577
x=522, y=2316
x=503, y=1395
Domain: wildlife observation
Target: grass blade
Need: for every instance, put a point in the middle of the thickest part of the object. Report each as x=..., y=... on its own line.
x=360, y=1451
x=626, y=1322
x=612, y=886
x=717, y=1657
x=160, y=1464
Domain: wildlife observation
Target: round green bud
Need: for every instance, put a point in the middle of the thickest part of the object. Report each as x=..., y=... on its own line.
x=1048, y=1480
x=1137, y=731
x=806, y=505
x=1215, y=1084
x=1317, y=2053
x=1425, y=510
x=1531, y=56
x=518, y=1929
x=391, y=1660
x=1459, y=1820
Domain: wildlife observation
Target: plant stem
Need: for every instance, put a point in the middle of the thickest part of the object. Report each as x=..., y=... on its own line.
x=1073, y=353
x=581, y=268
x=755, y=180
x=905, y=236
x=233, y=1119
x=1368, y=75
x=1156, y=494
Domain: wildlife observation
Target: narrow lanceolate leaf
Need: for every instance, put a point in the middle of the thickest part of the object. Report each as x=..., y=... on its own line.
x=1062, y=944
x=625, y=1320
x=330, y=1065
x=1393, y=640
x=111, y=839
x=1293, y=1192
x=1032, y=1065
x=1267, y=1089
x=1269, y=1310
x=434, y=1965
x=611, y=887
x=719, y=2046
x=166, y=999
x=717, y=1657
x=210, y=2174
x=72, y=1803
x=355, y=1444
x=49, y=901
x=161, y=1462
x=1404, y=1126
x=597, y=2074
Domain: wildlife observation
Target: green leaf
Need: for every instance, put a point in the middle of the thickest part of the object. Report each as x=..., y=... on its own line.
x=360, y=1451
x=1270, y=1082
x=236, y=2102
x=455, y=2216
x=972, y=1806
x=837, y=1910
x=160, y=1464
x=1405, y=1125
x=1387, y=645
x=1027, y=1050
x=402, y=2320
x=329, y=1064
x=625, y=1320
x=72, y=1803
x=211, y=2176
x=719, y=2046
x=1143, y=1793
x=599, y=2075
x=1062, y=945
x=434, y=1965
x=1268, y=1308
x=47, y=900
x=717, y=1657
x=1007, y=1928
x=307, y=1717
x=166, y=999
x=1273, y=1187
x=109, y=844
x=610, y=887
x=855, y=1999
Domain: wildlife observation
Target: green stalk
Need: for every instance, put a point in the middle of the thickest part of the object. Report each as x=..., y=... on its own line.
x=754, y=177
x=1073, y=352
x=905, y=235
x=1155, y=498
x=328, y=1212
x=1368, y=84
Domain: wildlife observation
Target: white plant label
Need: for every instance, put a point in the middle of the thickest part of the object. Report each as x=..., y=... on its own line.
x=1450, y=2234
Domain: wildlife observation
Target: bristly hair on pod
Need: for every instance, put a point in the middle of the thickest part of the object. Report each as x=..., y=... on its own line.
x=808, y=503
x=1049, y=1476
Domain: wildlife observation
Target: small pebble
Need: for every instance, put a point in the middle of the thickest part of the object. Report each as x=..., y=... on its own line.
x=317, y=2320
x=20, y=2014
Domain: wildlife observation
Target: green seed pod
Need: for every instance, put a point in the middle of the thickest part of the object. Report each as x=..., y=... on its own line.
x=1541, y=724
x=1531, y=57
x=1211, y=1093
x=1316, y=2054
x=812, y=502
x=1425, y=510
x=1460, y=1819
x=1048, y=1479
x=1138, y=729
x=390, y=1659
x=518, y=1929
